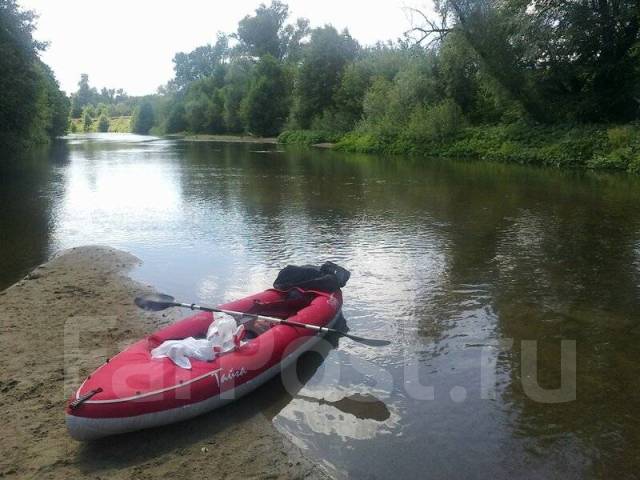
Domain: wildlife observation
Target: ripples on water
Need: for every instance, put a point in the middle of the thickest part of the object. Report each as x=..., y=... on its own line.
x=447, y=259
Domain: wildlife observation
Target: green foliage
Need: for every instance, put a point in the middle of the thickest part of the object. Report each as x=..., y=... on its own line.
x=176, y=120
x=111, y=102
x=143, y=119
x=558, y=146
x=503, y=83
x=235, y=90
x=263, y=33
x=564, y=61
x=87, y=119
x=83, y=97
x=435, y=124
x=319, y=76
x=307, y=137
x=634, y=165
x=623, y=136
x=32, y=107
x=103, y=123
x=201, y=63
x=617, y=159
x=116, y=125
x=120, y=124
x=362, y=142
x=267, y=103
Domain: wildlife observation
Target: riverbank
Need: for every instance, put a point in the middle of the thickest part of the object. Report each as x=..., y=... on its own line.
x=62, y=321
x=225, y=138
x=596, y=147
x=116, y=125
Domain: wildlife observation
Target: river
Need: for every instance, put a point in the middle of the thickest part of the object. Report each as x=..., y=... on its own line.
x=475, y=271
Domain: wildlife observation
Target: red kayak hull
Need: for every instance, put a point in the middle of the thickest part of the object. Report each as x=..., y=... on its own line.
x=137, y=391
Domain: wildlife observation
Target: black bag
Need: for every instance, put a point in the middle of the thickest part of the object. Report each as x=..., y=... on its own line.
x=327, y=278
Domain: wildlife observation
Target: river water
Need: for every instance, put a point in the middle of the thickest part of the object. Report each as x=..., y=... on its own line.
x=497, y=284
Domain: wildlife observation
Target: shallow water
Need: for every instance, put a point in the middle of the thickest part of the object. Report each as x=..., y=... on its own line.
x=458, y=263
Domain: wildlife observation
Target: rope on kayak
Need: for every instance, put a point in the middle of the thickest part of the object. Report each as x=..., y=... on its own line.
x=80, y=400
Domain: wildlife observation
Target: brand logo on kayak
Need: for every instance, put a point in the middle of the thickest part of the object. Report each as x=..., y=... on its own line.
x=230, y=375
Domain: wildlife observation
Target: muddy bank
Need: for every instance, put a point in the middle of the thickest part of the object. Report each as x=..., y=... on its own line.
x=61, y=322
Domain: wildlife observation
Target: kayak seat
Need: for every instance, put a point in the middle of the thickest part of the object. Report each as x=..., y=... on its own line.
x=293, y=301
x=290, y=303
x=195, y=326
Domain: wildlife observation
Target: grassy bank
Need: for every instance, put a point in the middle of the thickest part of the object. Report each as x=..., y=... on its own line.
x=602, y=147
x=116, y=125
x=307, y=137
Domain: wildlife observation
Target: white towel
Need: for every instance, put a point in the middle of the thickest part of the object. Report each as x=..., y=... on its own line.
x=221, y=338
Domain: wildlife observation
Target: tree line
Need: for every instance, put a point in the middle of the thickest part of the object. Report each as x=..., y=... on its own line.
x=478, y=61
x=547, y=82
x=516, y=80
x=33, y=109
x=107, y=110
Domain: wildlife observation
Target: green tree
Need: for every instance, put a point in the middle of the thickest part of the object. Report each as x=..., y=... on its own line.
x=263, y=33
x=560, y=61
x=143, y=118
x=84, y=96
x=176, y=118
x=267, y=104
x=31, y=103
x=319, y=77
x=235, y=89
x=195, y=115
x=87, y=119
x=203, y=62
x=103, y=123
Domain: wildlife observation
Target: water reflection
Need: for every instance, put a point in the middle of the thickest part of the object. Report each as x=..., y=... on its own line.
x=352, y=417
x=447, y=258
x=31, y=189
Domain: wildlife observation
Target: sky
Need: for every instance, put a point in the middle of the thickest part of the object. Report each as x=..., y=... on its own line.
x=130, y=43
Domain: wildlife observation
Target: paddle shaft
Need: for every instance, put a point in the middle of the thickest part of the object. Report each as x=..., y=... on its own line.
x=280, y=321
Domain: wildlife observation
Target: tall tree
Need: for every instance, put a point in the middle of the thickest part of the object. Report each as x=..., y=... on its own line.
x=31, y=103
x=85, y=95
x=263, y=33
x=143, y=118
x=201, y=63
x=236, y=87
x=324, y=60
x=267, y=104
x=560, y=60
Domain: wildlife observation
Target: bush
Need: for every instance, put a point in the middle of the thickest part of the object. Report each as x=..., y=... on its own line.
x=87, y=121
x=634, y=165
x=143, y=119
x=103, y=123
x=587, y=146
x=620, y=137
x=434, y=124
x=618, y=159
x=362, y=142
x=307, y=137
x=120, y=125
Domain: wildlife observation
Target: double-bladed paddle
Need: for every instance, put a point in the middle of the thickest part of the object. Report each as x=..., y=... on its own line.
x=159, y=302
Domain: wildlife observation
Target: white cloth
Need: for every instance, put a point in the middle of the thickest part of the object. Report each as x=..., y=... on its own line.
x=221, y=338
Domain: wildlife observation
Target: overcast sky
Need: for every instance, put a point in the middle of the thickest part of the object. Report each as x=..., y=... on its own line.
x=130, y=43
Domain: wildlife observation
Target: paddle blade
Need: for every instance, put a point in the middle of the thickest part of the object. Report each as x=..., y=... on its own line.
x=155, y=303
x=372, y=342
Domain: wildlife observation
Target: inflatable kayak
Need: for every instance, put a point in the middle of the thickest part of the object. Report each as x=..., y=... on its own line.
x=133, y=391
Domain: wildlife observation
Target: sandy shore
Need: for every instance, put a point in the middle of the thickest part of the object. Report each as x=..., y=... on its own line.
x=86, y=290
